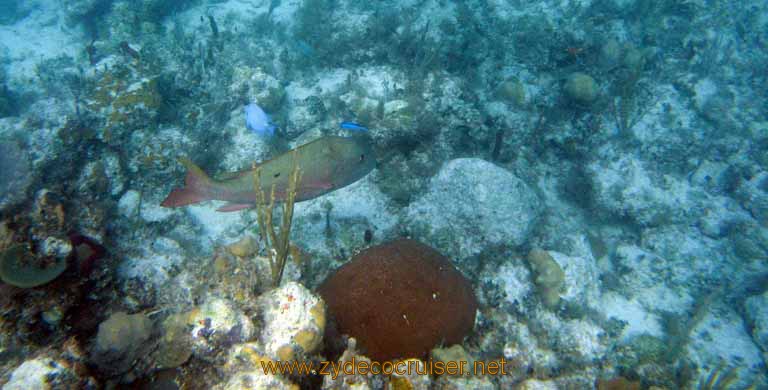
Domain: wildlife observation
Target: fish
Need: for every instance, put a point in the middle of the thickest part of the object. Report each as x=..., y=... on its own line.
x=258, y=121
x=326, y=164
x=352, y=126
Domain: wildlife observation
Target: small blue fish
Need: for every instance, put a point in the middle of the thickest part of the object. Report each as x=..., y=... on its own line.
x=258, y=121
x=352, y=126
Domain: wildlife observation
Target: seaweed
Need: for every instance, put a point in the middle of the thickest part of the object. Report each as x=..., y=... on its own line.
x=277, y=245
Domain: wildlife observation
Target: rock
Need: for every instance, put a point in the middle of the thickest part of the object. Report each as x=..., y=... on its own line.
x=640, y=321
x=722, y=218
x=122, y=338
x=293, y=321
x=337, y=220
x=128, y=206
x=242, y=279
x=175, y=344
x=715, y=177
x=245, y=247
x=350, y=380
x=15, y=175
x=43, y=373
x=687, y=257
x=610, y=54
x=757, y=316
x=218, y=226
x=640, y=280
x=93, y=183
x=515, y=280
x=455, y=353
x=256, y=379
x=244, y=370
x=750, y=241
x=448, y=382
x=753, y=195
x=156, y=264
x=205, y=331
x=581, y=88
x=246, y=146
x=722, y=335
x=512, y=91
x=582, y=278
x=758, y=131
x=578, y=340
x=635, y=59
x=471, y=205
x=522, y=347
x=536, y=384
x=411, y=379
x=152, y=211
x=260, y=87
x=617, y=383
x=626, y=187
x=127, y=100
x=216, y=325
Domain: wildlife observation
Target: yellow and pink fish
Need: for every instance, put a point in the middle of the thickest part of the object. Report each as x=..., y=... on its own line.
x=326, y=164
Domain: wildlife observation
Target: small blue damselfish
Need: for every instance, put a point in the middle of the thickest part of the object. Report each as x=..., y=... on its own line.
x=258, y=121
x=352, y=126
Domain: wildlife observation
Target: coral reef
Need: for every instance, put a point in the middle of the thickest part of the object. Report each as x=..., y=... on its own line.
x=294, y=321
x=627, y=138
x=120, y=341
x=580, y=88
x=549, y=277
x=399, y=299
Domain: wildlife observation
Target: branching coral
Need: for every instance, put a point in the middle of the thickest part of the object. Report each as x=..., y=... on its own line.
x=278, y=245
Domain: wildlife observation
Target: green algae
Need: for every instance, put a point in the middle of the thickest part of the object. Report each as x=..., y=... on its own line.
x=19, y=268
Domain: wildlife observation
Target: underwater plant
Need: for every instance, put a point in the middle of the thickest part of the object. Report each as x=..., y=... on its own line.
x=278, y=245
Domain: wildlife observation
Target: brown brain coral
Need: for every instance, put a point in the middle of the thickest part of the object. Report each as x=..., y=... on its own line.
x=399, y=300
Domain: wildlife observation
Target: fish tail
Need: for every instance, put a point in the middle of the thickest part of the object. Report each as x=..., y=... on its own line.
x=197, y=187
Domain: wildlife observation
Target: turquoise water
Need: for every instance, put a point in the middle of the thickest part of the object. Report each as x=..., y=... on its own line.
x=594, y=171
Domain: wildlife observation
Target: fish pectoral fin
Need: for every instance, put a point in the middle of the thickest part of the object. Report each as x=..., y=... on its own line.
x=234, y=207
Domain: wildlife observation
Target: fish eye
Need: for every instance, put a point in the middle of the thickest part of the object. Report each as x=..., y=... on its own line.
x=362, y=157
x=277, y=175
